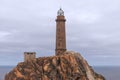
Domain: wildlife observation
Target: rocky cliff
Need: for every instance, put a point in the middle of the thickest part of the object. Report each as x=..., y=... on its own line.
x=68, y=66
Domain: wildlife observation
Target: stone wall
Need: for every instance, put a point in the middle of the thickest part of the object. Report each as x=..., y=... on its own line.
x=29, y=56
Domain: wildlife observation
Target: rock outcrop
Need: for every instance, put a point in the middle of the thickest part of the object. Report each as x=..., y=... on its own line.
x=68, y=66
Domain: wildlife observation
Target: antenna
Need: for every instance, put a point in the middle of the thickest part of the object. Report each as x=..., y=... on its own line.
x=60, y=3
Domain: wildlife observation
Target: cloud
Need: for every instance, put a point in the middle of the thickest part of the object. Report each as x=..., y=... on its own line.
x=4, y=35
x=92, y=29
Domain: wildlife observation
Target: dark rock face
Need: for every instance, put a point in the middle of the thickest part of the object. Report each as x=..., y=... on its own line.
x=69, y=66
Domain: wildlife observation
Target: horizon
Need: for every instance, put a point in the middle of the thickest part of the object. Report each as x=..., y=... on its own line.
x=92, y=29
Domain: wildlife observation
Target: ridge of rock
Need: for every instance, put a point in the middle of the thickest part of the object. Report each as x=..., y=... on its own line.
x=68, y=66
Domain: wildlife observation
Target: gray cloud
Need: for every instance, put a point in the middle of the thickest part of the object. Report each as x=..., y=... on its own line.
x=92, y=29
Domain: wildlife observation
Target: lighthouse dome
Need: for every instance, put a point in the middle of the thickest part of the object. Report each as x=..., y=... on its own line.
x=60, y=12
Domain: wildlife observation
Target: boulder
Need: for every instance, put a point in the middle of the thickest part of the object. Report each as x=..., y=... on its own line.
x=68, y=66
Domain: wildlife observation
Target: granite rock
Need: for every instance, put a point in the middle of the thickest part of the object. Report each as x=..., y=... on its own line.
x=68, y=66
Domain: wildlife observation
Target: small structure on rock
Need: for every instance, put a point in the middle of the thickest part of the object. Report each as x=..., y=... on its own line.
x=28, y=56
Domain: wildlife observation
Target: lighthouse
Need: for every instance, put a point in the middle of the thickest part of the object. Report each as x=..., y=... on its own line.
x=60, y=33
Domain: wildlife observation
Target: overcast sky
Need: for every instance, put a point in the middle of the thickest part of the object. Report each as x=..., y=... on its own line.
x=92, y=27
